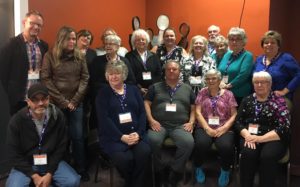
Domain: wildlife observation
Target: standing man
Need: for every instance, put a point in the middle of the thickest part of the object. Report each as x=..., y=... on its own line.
x=213, y=31
x=170, y=111
x=37, y=142
x=21, y=61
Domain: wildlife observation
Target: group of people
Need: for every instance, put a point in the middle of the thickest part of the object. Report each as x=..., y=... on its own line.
x=211, y=94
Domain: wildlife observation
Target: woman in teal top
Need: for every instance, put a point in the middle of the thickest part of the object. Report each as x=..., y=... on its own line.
x=236, y=65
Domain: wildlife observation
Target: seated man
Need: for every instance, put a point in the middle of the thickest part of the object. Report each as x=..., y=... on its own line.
x=37, y=140
x=171, y=113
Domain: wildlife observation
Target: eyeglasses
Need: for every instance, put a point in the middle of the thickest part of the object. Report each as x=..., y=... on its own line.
x=38, y=100
x=35, y=24
x=260, y=82
x=235, y=39
x=110, y=44
x=211, y=79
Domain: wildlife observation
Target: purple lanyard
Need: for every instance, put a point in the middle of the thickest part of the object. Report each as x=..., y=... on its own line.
x=266, y=67
x=144, y=60
x=172, y=91
x=168, y=55
x=108, y=58
x=121, y=98
x=45, y=123
x=214, y=101
x=33, y=55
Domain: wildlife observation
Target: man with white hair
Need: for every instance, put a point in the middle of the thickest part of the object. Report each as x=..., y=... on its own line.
x=213, y=31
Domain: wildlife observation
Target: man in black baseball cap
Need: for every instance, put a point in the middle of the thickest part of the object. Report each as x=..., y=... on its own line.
x=37, y=141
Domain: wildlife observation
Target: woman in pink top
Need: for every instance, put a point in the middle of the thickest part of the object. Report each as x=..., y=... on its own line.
x=215, y=112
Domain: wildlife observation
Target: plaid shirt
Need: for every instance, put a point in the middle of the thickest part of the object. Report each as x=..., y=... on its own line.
x=34, y=59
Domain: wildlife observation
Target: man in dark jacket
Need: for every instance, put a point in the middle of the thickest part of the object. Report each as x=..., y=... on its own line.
x=37, y=140
x=21, y=60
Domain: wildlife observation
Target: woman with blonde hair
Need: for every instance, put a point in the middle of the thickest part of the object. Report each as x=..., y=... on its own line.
x=198, y=63
x=64, y=72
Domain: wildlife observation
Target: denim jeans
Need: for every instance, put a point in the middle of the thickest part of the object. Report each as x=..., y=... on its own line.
x=64, y=176
x=75, y=125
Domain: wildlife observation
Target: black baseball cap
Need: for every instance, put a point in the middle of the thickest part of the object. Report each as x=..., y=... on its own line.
x=37, y=88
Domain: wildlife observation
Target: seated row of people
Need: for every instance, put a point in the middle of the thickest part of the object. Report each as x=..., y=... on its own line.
x=194, y=124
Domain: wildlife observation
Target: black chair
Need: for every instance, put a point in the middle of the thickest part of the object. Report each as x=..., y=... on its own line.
x=103, y=160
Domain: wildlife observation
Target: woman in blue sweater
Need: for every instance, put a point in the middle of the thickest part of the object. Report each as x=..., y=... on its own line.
x=283, y=67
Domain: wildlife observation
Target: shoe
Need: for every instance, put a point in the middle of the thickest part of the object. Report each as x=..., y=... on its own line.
x=200, y=175
x=84, y=176
x=223, y=178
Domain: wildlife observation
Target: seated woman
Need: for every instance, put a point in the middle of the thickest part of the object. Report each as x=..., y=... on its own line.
x=122, y=125
x=215, y=112
x=263, y=121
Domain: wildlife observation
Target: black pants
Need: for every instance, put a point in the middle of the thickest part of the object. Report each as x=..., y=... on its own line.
x=264, y=159
x=225, y=147
x=132, y=163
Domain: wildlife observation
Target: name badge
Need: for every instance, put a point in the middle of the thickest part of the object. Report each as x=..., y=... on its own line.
x=225, y=79
x=33, y=75
x=253, y=128
x=40, y=159
x=188, y=67
x=195, y=80
x=147, y=75
x=125, y=118
x=214, y=120
x=170, y=107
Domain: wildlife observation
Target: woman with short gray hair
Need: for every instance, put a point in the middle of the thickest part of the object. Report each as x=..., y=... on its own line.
x=236, y=65
x=144, y=63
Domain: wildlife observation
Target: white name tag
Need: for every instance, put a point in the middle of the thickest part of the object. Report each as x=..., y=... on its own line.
x=214, y=120
x=125, y=118
x=147, y=75
x=188, y=67
x=33, y=75
x=225, y=79
x=170, y=107
x=40, y=159
x=195, y=80
x=253, y=128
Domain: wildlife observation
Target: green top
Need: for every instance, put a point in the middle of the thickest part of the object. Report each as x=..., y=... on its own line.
x=239, y=72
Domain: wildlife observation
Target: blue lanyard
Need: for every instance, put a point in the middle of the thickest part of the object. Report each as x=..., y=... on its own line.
x=172, y=91
x=233, y=58
x=121, y=98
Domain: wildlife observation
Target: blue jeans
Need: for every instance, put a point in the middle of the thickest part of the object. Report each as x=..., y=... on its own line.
x=64, y=176
x=75, y=125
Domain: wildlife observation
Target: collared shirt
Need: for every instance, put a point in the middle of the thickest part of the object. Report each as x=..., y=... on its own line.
x=34, y=60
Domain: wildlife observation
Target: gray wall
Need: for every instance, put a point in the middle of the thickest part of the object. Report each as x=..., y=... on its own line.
x=7, y=31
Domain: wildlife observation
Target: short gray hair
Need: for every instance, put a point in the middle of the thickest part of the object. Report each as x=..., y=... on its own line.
x=236, y=31
x=213, y=72
x=139, y=32
x=262, y=74
x=114, y=39
x=116, y=66
x=221, y=39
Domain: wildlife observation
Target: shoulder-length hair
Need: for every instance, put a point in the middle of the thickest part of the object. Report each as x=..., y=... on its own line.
x=61, y=38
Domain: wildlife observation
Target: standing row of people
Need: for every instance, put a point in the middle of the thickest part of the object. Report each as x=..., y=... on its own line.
x=169, y=81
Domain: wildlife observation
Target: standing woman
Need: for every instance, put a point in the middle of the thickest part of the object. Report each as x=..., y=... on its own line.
x=65, y=74
x=169, y=50
x=221, y=47
x=197, y=64
x=144, y=63
x=123, y=125
x=283, y=67
x=84, y=41
x=236, y=65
